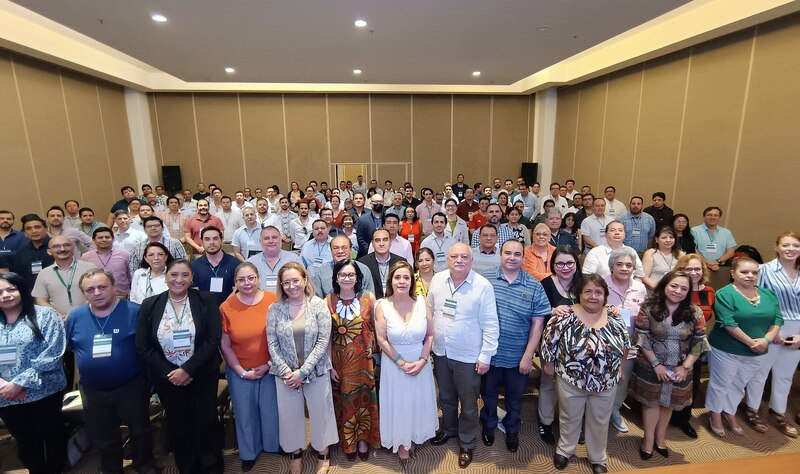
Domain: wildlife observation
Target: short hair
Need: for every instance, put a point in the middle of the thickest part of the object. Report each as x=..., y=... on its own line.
x=591, y=278
x=391, y=216
x=637, y=197
x=552, y=210
x=244, y=265
x=171, y=198
x=412, y=290
x=541, y=226
x=55, y=208
x=590, y=195
x=487, y=226
x=440, y=214
x=153, y=218
x=484, y=198
x=337, y=267
x=569, y=181
x=210, y=228
x=611, y=188
x=320, y=221
x=449, y=200
x=163, y=247
x=659, y=194
x=608, y=226
x=120, y=212
x=95, y=271
x=71, y=200
x=125, y=188
x=683, y=261
x=100, y=230
x=381, y=230
x=80, y=211
x=422, y=191
x=32, y=218
x=711, y=208
x=623, y=251
x=4, y=211
x=309, y=289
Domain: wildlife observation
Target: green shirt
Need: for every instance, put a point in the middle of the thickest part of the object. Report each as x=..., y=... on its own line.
x=733, y=310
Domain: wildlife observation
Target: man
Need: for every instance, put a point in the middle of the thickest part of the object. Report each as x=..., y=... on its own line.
x=247, y=238
x=522, y=306
x=439, y=242
x=327, y=216
x=562, y=191
x=57, y=285
x=128, y=195
x=497, y=186
x=195, y=224
x=467, y=206
x=479, y=218
x=465, y=340
x=559, y=236
x=117, y=262
x=368, y=223
x=145, y=211
x=659, y=210
x=597, y=259
x=10, y=240
x=425, y=210
x=449, y=194
x=640, y=227
x=262, y=210
x=493, y=215
x=715, y=243
x=438, y=198
x=215, y=204
x=55, y=227
x=388, y=191
x=536, y=189
x=358, y=209
x=72, y=217
x=273, y=199
x=586, y=189
x=508, y=187
x=359, y=186
x=32, y=256
x=161, y=197
x=201, y=192
x=486, y=255
x=300, y=228
x=593, y=228
x=380, y=260
x=230, y=217
x=559, y=202
x=577, y=203
x=316, y=252
x=397, y=206
x=88, y=224
x=571, y=192
x=283, y=219
x=240, y=202
x=614, y=207
x=460, y=189
x=344, y=193
x=341, y=248
x=126, y=237
x=410, y=200
x=114, y=387
x=373, y=188
x=214, y=270
x=174, y=219
x=529, y=201
x=158, y=208
x=399, y=246
x=146, y=189
x=189, y=204
x=587, y=209
x=248, y=196
x=271, y=258
x=154, y=232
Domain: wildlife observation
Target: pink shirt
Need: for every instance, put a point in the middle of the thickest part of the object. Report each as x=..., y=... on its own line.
x=118, y=263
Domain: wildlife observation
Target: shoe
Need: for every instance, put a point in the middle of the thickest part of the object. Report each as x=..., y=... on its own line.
x=560, y=462
x=465, y=458
x=644, y=454
x=754, y=420
x=599, y=469
x=488, y=438
x=783, y=424
x=687, y=429
x=298, y=467
x=618, y=423
x=662, y=451
x=441, y=438
x=364, y=455
x=325, y=459
x=247, y=466
x=350, y=456
x=717, y=431
x=403, y=462
x=546, y=433
x=512, y=442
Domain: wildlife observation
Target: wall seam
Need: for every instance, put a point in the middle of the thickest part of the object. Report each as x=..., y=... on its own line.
x=577, y=124
x=285, y=138
x=451, y=139
x=683, y=122
x=241, y=137
x=158, y=129
x=197, y=140
x=328, y=133
x=528, y=154
x=27, y=136
x=411, y=99
x=491, y=137
x=636, y=136
x=603, y=133
x=71, y=138
x=105, y=140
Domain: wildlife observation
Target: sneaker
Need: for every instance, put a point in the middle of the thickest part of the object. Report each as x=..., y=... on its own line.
x=618, y=423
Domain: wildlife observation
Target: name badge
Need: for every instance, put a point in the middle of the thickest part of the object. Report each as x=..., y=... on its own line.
x=411, y=238
x=181, y=339
x=635, y=233
x=5, y=251
x=450, y=305
x=711, y=248
x=469, y=214
x=216, y=285
x=36, y=267
x=176, y=226
x=602, y=231
x=526, y=209
x=101, y=346
x=8, y=355
x=440, y=257
x=611, y=211
x=271, y=283
x=317, y=262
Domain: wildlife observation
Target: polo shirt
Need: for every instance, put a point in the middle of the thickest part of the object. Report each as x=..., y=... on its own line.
x=595, y=228
x=639, y=230
x=662, y=216
x=713, y=248
x=92, y=227
x=484, y=261
x=465, y=210
x=30, y=259
x=517, y=302
x=203, y=272
x=440, y=247
x=81, y=241
x=425, y=212
x=195, y=224
x=105, y=373
x=232, y=221
x=315, y=254
x=459, y=190
x=531, y=204
x=563, y=237
x=129, y=240
x=247, y=240
x=615, y=208
x=268, y=275
x=62, y=293
x=399, y=211
x=174, y=223
x=117, y=262
x=9, y=246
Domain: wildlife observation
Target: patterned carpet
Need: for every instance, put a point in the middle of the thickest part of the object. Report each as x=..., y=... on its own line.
x=533, y=455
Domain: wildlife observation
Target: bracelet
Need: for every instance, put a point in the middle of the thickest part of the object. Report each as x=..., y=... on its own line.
x=398, y=363
x=302, y=374
x=768, y=341
x=424, y=359
x=655, y=362
x=396, y=358
x=244, y=372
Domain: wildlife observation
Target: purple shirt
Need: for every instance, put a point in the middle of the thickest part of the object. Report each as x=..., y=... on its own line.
x=117, y=262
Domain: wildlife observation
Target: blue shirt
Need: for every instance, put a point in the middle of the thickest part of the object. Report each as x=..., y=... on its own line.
x=203, y=272
x=720, y=243
x=639, y=230
x=9, y=246
x=517, y=302
x=105, y=373
x=772, y=277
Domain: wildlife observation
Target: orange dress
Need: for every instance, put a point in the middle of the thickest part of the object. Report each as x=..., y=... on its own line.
x=415, y=229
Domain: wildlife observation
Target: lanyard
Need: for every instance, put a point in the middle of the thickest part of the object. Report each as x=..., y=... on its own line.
x=107, y=319
x=271, y=267
x=73, y=268
x=555, y=239
x=215, y=269
x=383, y=269
x=105, y=264
x=436, y=241
x=320, y=248
x=710, y=237
x=179, y=319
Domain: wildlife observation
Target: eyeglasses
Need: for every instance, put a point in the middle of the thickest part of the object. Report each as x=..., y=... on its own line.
x=247, y=279
x=347, y=276
x=291, y=283
x=152, y=226
x=565, y=264
x=693, y=269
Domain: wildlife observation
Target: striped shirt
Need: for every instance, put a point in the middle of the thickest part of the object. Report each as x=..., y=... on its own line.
x=774, y=278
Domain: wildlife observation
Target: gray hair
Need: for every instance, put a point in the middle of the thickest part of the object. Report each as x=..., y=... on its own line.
x=93, y=272
x=552, y=210
x=623, y=251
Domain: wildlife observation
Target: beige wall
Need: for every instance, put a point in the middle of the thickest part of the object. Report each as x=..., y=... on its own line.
x=257, y=140
x=64, y=136
x=715, y=124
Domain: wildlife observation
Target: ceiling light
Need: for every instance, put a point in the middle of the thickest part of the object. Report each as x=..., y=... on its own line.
x=356, y=71
x=159, y=17
x=476, y=73
x=360, y=23
x=543, y=28
x=230, y=70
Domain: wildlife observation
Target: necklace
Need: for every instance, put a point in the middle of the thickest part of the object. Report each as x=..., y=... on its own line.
x=178, y=300
x=754, y=300
x=348, y=309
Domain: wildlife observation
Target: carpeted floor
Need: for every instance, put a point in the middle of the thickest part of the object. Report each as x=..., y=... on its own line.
x=533, y=455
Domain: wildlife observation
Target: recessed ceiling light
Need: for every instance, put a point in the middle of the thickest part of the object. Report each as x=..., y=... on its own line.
x=159, y=17
x=356, y=71
x=360, y=23
x=476, y=73
x=230, y=70
x=543, y=28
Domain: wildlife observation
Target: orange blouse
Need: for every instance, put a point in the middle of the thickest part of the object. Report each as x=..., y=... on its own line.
x=534, y=265
x=414, y=229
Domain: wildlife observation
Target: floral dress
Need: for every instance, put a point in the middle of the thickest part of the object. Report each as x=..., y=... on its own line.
x=355, y=400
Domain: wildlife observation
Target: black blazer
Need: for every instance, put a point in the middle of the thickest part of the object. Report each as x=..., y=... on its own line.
x=372, y=263
x=208, y=332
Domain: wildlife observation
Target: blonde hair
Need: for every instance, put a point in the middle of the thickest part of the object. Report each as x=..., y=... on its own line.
x=683, y=261
x=309, y=287
x=794, y=235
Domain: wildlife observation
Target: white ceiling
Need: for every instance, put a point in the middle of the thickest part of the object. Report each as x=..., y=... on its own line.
x=315, y=41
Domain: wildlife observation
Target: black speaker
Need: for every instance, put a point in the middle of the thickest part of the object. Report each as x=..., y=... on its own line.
x=530, y=172
x=171, y=177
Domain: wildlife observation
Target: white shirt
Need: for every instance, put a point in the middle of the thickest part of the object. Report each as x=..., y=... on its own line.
x=236, y=207
x=440, y=248
x=247, y=241
x=300, y=232
x=231, y=220
x=597, y=262
x=615, y=208
x=595, y=228
x=560, y=203
x=129, y=240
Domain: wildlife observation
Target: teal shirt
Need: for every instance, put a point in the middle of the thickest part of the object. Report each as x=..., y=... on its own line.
x=733, y=310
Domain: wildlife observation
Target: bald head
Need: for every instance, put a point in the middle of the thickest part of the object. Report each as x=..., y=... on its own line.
x=61, y=248
x=459, y=260
x=341, y=248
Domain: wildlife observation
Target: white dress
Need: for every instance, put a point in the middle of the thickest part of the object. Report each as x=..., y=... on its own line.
x=408, y=411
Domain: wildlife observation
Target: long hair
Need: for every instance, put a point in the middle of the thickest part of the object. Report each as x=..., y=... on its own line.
x=309, y=288
x=28, y=313
x=567, y=250
x=168, y=256
x=337, y=267
x=793, y=235
x=412, y=291
x=667, y=229
x=657, y=301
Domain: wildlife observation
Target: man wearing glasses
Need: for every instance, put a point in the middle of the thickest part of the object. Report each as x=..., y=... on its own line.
x=271, y=258
x=341, y=249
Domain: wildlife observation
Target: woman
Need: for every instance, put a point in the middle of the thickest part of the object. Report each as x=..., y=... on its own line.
x=353, y=374
x=404, y=327
x=537, y=257
x=559, y=288
x=502, y=201
x=548, y=204
x=586, y=350
x=298, y=333
x=348, y=205
x=177, y=337
x=338, y=212
x=348, y=227
x=518, y=231
x=781, y=276
x=568, y=224
x=747, y=319
x=244, y=347
x=313, y=208
x=671, y=334
x=661, y=257
x=32, y=377
x=295, y=195
x=328, y=195
x=150, y=278
x=424, y=274
x=411, y=228
x=456, y=226
x=684, y=239
x=629, y=294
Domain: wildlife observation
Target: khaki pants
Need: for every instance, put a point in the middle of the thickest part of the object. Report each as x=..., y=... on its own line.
x=572, y=404
x=318, y=397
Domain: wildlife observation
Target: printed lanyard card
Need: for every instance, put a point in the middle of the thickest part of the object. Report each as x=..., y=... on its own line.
x=271, y=283
x=440, y=257
x=411, y=238
x=449, y=309
x=317, y=262
x=181, y=339
x=36, y=267
x=101, y=346
x=711, y=248
x=216, y=285
x=8, y=354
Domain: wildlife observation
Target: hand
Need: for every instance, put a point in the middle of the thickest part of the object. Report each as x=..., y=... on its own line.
x=614, y=310
x=680, y=373
x=22, y=395
x=294, y=379
x=481, y=368
x=562, y=310
x=525, y=365
x=334, y=375
x=260, y=371
x=549, y=368
x=414, y=368
x=10, y=391
x=661, y=373
x=179, y=378
x=713, y=266
x=759, y=346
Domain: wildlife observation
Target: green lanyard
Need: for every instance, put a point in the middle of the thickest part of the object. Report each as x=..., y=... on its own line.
x=179, y=319
x=72, y=268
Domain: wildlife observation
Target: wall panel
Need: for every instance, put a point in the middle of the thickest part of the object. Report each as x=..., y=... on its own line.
x=564, y=140
x=178, y=135
x=431, y=141
x=118, y=136
x=391, y=128
x=306, y=137
x=348, y=120
x=621, y=124
x=471, y=137
x=589, y=142
x=220, y=140
x=264, y=140
x=509, y=136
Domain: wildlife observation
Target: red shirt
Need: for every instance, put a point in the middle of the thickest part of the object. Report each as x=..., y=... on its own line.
x=195, y=225
x=415, y=229
x=704, y=299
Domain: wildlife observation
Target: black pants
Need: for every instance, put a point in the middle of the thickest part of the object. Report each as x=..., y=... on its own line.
x=105, y=410
x=39, y=431
x=193, y=428
x=685, y=414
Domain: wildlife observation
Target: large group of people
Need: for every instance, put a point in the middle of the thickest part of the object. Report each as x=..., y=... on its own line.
x=366, y=309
